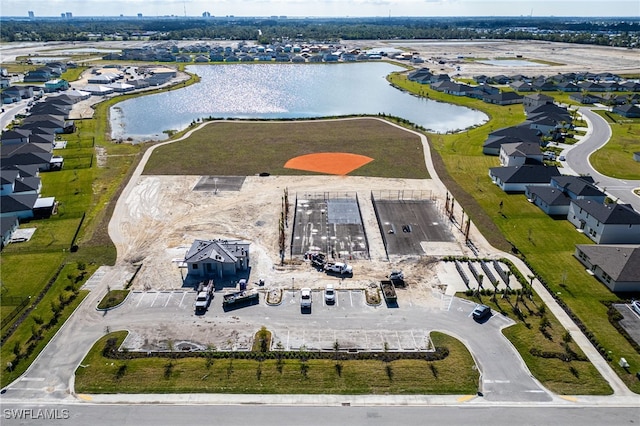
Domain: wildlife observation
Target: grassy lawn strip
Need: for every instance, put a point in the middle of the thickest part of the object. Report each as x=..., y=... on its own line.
x=545, y=243
x=113, y=298
x=615, y=159
x=456, y=374
x=238, y=148
x=547, y=349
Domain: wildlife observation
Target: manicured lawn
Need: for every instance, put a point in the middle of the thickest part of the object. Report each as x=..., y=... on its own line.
x=547, y=244
x=249, y=148
x=113, y=298
x=615, y=159
x=456, y=374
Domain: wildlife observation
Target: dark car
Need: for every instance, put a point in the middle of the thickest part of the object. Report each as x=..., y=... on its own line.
x=481, y=312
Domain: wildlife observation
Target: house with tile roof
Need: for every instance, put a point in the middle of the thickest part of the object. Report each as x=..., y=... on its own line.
x=605, y=223
x=617, y=266
x=217, y=258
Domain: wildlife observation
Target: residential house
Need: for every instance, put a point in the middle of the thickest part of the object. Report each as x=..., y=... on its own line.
x=504, y=98
x=15, y=137
x=605, y=223
x=549, y=199
x=21, y=92
x=38, y=75
x=217, y=258
x=617, y=266
x=18, y=205
x=579, y=188
x=56, y=85
x=535, y=100
x=585, y=98
x=8, y=225
x=521, y=86
x=517, y=154
x=517, y=178
x=521, y=133
x=567, y=86
x=591, y=86
x=628, y=110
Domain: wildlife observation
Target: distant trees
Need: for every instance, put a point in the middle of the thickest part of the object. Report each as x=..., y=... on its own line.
x=612, y=31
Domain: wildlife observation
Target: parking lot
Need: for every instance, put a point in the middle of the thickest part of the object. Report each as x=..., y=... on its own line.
x=631, y=321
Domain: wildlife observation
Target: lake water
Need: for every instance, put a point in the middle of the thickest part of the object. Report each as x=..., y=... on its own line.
x=283, y=91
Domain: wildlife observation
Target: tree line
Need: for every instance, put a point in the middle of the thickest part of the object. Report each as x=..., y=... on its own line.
x=601, y=31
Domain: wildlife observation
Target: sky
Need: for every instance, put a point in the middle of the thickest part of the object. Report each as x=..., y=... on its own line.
x=323, y=8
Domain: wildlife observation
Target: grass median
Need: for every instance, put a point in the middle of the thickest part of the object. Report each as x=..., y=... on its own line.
x=455, y=374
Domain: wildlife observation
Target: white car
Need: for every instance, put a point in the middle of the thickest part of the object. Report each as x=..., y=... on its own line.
x=305, y=298
x=329, y=294
x=635, y=305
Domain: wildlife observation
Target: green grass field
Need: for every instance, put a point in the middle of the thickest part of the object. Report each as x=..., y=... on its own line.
x=250, y=148
x=456, y=374
x=547, y=244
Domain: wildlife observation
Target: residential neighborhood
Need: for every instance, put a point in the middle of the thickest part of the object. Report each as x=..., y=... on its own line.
x=182, y=268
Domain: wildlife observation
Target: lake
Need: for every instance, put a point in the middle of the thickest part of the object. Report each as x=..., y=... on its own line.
x=272, y=91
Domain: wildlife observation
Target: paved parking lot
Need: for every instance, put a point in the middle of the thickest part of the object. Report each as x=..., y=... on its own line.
x=161, y=299
x=631, y=321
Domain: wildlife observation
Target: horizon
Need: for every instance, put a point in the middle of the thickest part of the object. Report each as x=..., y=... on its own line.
x=297, y=9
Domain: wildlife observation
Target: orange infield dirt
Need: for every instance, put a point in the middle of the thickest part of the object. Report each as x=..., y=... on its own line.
x=333, y=163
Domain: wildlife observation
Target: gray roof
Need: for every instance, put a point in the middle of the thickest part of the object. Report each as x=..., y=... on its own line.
x=7, y=223
x=620, y=262
x=522, y=149
x=17, y=202
x=224, y=251
x=581, y=186
x=526, y=173
x=620, y=214
x=551, y=196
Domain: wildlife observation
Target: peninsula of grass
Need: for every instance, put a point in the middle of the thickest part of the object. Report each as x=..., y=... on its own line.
x=112, y=299
x=240, y=148
x=215, y=373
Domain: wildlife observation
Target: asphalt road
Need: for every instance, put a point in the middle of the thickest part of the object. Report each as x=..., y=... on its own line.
x=577, y=159
x=50, y=377
x=154, y=415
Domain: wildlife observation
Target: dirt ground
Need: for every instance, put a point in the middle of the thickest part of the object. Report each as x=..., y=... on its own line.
x=157, y=220
x=163, y=215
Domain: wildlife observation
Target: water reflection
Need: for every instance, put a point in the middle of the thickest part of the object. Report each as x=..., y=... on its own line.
x=283, y=91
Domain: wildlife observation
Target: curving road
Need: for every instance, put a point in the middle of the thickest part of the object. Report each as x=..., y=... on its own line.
x=577, y=159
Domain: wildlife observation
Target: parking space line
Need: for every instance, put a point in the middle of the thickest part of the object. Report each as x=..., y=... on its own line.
x=181, y=300
x=415, y=344
x=399, y=342
x=168, y=299
x=154, y=300
x=140, y=300
x=351, y=298
x=288, y=332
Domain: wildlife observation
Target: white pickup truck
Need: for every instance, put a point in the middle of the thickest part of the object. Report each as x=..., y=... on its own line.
x=339, y=268
x=305, y=298
x=203, y=299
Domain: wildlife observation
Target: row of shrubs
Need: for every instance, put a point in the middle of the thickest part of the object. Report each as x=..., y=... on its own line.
x=110, y=350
